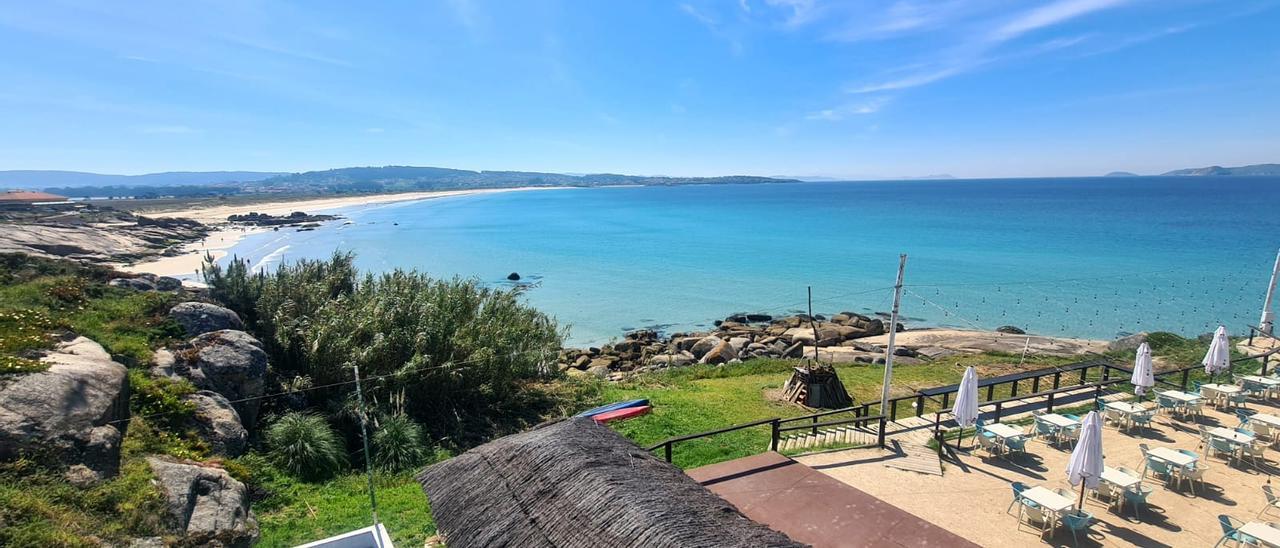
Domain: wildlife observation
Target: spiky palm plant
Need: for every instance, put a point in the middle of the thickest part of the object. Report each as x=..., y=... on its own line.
x=397, y=443
x=304, y=445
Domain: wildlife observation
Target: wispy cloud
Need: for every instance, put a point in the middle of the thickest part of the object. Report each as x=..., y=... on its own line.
x=261, y=45
x=699, y=16
x=989, y=43
x=1049, y=15
x=870, y=106
x=798, y=12
x=714, y=25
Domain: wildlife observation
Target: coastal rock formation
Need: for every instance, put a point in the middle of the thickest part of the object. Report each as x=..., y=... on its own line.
x=147, y=282
x=74, y=412
x=228, y=362
x=200, y=318
x=218, y=423
x=93, y=234
x=205, y=505
x=1128, y=344
x=847, y=337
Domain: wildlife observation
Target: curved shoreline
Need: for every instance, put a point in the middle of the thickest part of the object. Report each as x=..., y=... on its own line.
x=226, y=236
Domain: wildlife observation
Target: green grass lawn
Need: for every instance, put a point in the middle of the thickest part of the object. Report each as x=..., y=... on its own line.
x=296, y=512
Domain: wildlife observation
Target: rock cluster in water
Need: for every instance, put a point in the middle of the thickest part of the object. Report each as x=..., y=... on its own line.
x=736, y=338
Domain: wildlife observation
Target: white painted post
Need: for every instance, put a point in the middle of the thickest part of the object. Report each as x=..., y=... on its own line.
x=1267, y=323
x=893, y=332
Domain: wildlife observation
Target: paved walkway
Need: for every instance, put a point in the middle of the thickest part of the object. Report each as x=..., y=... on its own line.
x=814, y=508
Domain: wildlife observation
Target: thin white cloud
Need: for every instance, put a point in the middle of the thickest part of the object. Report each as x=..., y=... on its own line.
x=1049, y=15
x=799, y=12
x=841, y=112
x=698, y=16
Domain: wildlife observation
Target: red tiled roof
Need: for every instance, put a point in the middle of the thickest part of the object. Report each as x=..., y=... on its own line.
x=30, y=196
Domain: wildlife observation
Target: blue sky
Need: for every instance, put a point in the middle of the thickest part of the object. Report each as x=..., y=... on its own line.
x=973, y=88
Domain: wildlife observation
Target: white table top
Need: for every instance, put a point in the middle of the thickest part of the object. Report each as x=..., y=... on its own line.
x=1058, y=420
x=1047, y=499
x=1003, y=431
x=1227, y=433
x=1118, y=478
x=1266, y=381
x=1125, y=407
x=1180, y=396
x=1223, y=388
x=1263, y=532
x=1171, y=456
x=1270, y=420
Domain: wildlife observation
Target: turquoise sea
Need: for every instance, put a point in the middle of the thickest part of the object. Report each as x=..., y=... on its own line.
x=1088, y=257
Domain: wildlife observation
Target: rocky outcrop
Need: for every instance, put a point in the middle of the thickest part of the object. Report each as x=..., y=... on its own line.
x=228, y=362
x=147, y=282
x=1128, y=344
x=218, y=424
x=738, y=337
x=1010, y=330
x=205, y=505
x=200, y=318
x=74, y=413
x=99, y=235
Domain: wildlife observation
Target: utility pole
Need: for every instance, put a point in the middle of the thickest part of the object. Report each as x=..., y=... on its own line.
x=893, y=331
x=368, y=464
x=1267, y=323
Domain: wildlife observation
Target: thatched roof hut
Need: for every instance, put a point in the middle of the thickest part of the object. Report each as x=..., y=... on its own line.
x=578, y=484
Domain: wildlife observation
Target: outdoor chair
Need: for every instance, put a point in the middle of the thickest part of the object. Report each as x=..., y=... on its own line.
x=1204, y=437
x=1046, y=430
x=1195, y=408
x=1138, y=497
x=988, y=444
x=1109, y=492
x=1141, y=419
x=1075, y=522
x=1239, y=400
x=1071, y=435
x=1015, y=445
x=1117, y=418
x=1218, y=445
x=1159, y=469
x=1263, y=431
x=1035, y=516
x=1064, y=493
x=1018, y=488
x=1243, y=416
x=1193, y=474
x=1231, y=531
x=1273, y=502
x=1072, y=417
x=1164, y=403
x=1252, y=451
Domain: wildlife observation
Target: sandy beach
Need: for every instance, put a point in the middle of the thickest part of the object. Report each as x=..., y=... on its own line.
x=226, y=236
x=219, y=213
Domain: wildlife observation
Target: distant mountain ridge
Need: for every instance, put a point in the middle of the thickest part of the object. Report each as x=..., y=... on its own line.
x=1253, y=170
x=333, y=181
x=52, y=178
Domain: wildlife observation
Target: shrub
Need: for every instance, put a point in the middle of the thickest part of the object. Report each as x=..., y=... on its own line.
x=304, y=445
x=159, y=400
x=397, y=443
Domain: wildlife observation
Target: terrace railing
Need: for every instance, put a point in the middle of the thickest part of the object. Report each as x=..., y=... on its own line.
x=778, y=426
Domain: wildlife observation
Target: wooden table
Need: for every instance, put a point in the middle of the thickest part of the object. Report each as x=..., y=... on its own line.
x=1171, y=456
x=1003, y=431
x=1118, y=478
x=1231, y=435
x=1059, y=420
x=1267, y=534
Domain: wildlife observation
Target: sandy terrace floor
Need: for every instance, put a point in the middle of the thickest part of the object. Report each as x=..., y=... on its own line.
x=971, y=498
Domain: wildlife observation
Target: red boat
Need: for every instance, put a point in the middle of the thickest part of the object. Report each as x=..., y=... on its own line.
x=621, y=414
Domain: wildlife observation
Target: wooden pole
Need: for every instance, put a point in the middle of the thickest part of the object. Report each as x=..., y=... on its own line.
x=893, y=332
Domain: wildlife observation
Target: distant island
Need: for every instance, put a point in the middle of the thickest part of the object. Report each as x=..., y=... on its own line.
x=350, y=180
x=1256, y=170
x=1271, y=170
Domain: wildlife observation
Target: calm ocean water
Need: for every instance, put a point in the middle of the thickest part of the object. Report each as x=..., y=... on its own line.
x=1092, y=257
